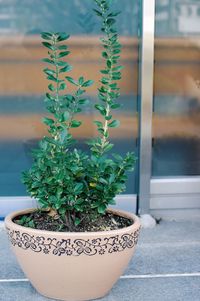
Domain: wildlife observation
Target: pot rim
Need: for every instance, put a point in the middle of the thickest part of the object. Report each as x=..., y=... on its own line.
x=136, y=224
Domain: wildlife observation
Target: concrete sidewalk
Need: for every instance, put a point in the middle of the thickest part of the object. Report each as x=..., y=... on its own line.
x=166, y=267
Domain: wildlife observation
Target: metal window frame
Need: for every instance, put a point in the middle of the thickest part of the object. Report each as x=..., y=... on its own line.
x=175, y=198
x=175, y=193
x=146, y=106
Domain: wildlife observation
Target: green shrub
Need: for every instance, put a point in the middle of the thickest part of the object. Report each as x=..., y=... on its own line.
x=64, y=180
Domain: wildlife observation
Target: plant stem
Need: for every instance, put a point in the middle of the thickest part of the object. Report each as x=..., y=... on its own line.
x=109, y=91
x=73, y=110
x=57, y=84
x=105, y=126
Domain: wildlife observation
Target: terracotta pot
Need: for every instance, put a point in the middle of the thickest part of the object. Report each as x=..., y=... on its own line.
x=73, y=266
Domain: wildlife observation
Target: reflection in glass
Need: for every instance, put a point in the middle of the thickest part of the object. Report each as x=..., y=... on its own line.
x=22, y=83
x=176, y=119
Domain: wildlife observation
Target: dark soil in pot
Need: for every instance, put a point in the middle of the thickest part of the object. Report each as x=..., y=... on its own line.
x=42, y=220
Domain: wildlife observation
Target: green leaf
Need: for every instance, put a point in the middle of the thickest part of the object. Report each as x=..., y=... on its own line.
x=118, y=68
x=78, y=110
x=101, y=131
x=75, y=123
x=66, y=116
x=114, y=124
x=62, y=211
x=43, y=144
x=62, y=63
x=117, y=45
x=108, y=147
x=46, y=60
x=63, y=136
x=104, y=71
x=114, y=95
x=65, y=69
x=114, y=14
x=77, y=220
x=62, y=86
x=101, y=109
x=51, y=77
x=116, y=75
x=48, y=121
x=103, y=181
x=62, y=47
x=70, y=98
x=98, y=123
x=114, y=38
x=109, y=64
x=105, y=55
x=113, y=86
x=48, y=45
x=46, y=35
x=112, y=202
x=115, y=106
x=98, y=13
x=106, y=134
x=102, y=208
x=81, y=80
x=116, y=57
x=102, y=97
x=52, y=141
x=78, y=207
x=88, y=83
x=71, y=80
x=117, y=157
x=113, y=30
x=83, y=101
x=108, y=117
x=63, y=53
x=51, y=87
x=49, y=71
x=110, y=21
x=104, y=80
x=103, y=89
x=116, y=51
x=78, y=188
x=62, y=36
x=79, y=92
x=50, y=97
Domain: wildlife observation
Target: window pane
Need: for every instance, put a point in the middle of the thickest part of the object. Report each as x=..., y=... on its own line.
x=22, y=83
x=176, y=126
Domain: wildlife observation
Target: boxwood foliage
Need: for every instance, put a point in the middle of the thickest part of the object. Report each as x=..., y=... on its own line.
x=67, y=182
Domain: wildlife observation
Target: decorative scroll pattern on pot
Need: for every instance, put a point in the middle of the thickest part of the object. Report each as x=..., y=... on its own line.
x=73, y=247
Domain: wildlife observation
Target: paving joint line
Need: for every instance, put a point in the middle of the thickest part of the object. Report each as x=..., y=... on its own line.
x=148, y=276
x=145, y=276
x=169, y=244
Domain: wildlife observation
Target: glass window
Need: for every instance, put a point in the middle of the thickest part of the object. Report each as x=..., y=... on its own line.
x=176, y=117
x=22, y=83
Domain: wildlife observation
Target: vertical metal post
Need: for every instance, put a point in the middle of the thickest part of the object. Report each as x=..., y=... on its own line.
x=146, y=106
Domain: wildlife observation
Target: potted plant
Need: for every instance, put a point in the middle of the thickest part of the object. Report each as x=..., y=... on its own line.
x=72, y=247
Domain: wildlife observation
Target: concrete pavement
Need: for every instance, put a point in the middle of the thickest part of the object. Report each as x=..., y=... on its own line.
x=166, y=267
